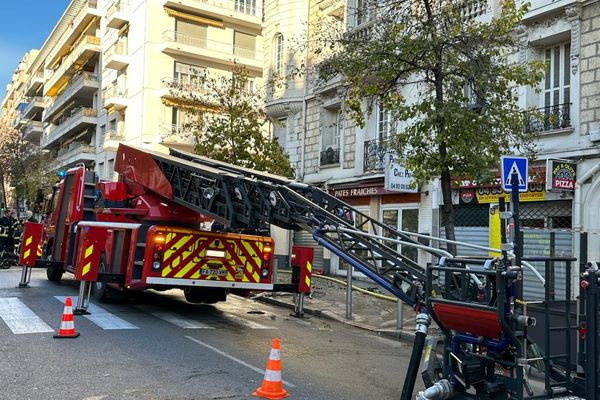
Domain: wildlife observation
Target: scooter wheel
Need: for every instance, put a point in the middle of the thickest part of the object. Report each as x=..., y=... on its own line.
x=5, y=264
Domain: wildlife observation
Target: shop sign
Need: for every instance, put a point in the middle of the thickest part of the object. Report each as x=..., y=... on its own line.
x=358, y=191
x=397, y=178
x=491, y=194
x=561, y=175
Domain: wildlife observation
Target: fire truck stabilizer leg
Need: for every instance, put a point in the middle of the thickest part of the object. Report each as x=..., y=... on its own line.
x=298, y=306
x=440, y=390
x=83, y=299
x=25, y=277
x=423, y=321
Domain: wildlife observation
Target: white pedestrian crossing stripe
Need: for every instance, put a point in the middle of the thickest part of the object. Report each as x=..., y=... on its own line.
x=19, y=318
x=101, y=317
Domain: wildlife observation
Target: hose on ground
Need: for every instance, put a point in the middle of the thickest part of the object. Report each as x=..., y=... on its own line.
x=358, y=289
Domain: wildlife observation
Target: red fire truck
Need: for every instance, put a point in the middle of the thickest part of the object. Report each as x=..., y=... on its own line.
x=131, y=235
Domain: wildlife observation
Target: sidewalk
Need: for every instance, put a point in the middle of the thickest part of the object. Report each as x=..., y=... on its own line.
x=369, y=312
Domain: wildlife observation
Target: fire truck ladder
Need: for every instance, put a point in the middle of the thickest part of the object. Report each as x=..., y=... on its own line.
x=244, y=198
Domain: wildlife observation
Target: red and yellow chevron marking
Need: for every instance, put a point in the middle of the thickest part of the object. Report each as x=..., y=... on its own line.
x=86, y=256
x=185, y=257
x=27, y=251
x=309, y=274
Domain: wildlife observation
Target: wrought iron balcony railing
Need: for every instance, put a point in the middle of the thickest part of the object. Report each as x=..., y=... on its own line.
x=375, y=154
x=549, y=118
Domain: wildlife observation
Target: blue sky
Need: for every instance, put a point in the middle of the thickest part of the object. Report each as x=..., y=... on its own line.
x=24, y=25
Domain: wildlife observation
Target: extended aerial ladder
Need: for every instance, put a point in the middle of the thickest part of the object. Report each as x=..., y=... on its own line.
x=479, y=304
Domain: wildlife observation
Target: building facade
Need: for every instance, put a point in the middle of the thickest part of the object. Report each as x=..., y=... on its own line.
x=107, y=72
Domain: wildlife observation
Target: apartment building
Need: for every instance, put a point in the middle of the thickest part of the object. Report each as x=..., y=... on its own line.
x=350, y=162
x=106, y=72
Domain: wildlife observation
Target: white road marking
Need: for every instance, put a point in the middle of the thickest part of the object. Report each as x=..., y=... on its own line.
x=173, y=318
x=237, y=360
x=248, y=323
x=20, y=319
x=101, y=317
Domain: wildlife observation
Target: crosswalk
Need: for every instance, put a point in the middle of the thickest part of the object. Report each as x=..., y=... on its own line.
x=20, y=318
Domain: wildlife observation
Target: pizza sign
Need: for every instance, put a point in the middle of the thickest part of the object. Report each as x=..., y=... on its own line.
x=561, y=175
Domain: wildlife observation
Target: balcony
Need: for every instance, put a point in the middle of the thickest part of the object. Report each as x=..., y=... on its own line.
x=33, y=131
x=172, y=88
x=181, y=44
x=81, y=86
x=74, y=154
x=35, y=105
x=118, y=14
x=79, y=26
x=176, y=136
x=83, y=52
x=20, y=121
x=548, y=119
x=375, y=159
x=471, y=9
x=543, y=8
x=115, y=97
x=35, y=82
x=242, y=12
x=112, y=138
x=79, y=119
x=116, y=56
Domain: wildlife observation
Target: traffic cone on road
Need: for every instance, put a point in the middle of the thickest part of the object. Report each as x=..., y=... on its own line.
x=272, y=387
x=67, y=324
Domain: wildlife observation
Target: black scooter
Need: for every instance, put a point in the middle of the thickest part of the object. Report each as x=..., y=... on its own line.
x=9, y=247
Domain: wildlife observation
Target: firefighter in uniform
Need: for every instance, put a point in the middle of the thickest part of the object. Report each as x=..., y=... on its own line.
x=7, y=225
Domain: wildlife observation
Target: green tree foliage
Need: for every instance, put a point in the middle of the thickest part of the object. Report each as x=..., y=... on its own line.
x=22, y=165
x=226, y=115
x=450, y=82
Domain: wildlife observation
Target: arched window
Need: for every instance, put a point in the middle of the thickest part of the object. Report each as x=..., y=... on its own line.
x=278, y=54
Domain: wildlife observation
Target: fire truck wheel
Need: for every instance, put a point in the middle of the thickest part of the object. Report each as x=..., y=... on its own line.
x=204, y=295
x=101, y=289
x=54, y=274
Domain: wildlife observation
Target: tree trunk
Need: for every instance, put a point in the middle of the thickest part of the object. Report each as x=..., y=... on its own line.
x=448, y=209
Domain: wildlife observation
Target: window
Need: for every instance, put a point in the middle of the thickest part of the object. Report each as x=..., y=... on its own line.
x=101, y=170
x=244, y=45
x=186, y=75
x=110, y=168
x=384, y=123
x=404, y=219
x=280, y=131
x=246, y=6
x=278, y=54
x=556, y=98
x=362, y=11
x=190, y=32
x=330, y=137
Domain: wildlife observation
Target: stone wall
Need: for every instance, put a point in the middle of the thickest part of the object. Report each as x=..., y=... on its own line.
x=590, y=69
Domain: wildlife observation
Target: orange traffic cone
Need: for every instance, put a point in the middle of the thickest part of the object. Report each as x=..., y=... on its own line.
x=271, y=387
x=67, y=325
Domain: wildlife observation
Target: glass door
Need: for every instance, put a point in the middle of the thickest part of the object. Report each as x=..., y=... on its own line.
x=405, y=219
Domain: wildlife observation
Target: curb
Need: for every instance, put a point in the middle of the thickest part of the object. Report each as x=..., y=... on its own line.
x=326, y=314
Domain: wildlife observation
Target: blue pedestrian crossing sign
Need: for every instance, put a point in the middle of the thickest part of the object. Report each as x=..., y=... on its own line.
x=510, y=165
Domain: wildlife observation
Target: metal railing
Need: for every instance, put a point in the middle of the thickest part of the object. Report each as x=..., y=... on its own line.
x=117, y=6
x=549, y=118
x=33, y=102
x=75, y=23
x=174, y=133
x=204, y=43
x=248, y=7
x=178, y=88
x=118, y=48
x=375, y=152
x=114, y=91
x=68, y=122
x=33, y=125
x=70, y=90
x=69, y=60
x=114, y=134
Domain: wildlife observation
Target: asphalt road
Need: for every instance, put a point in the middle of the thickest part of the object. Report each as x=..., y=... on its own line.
x=157, y=346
